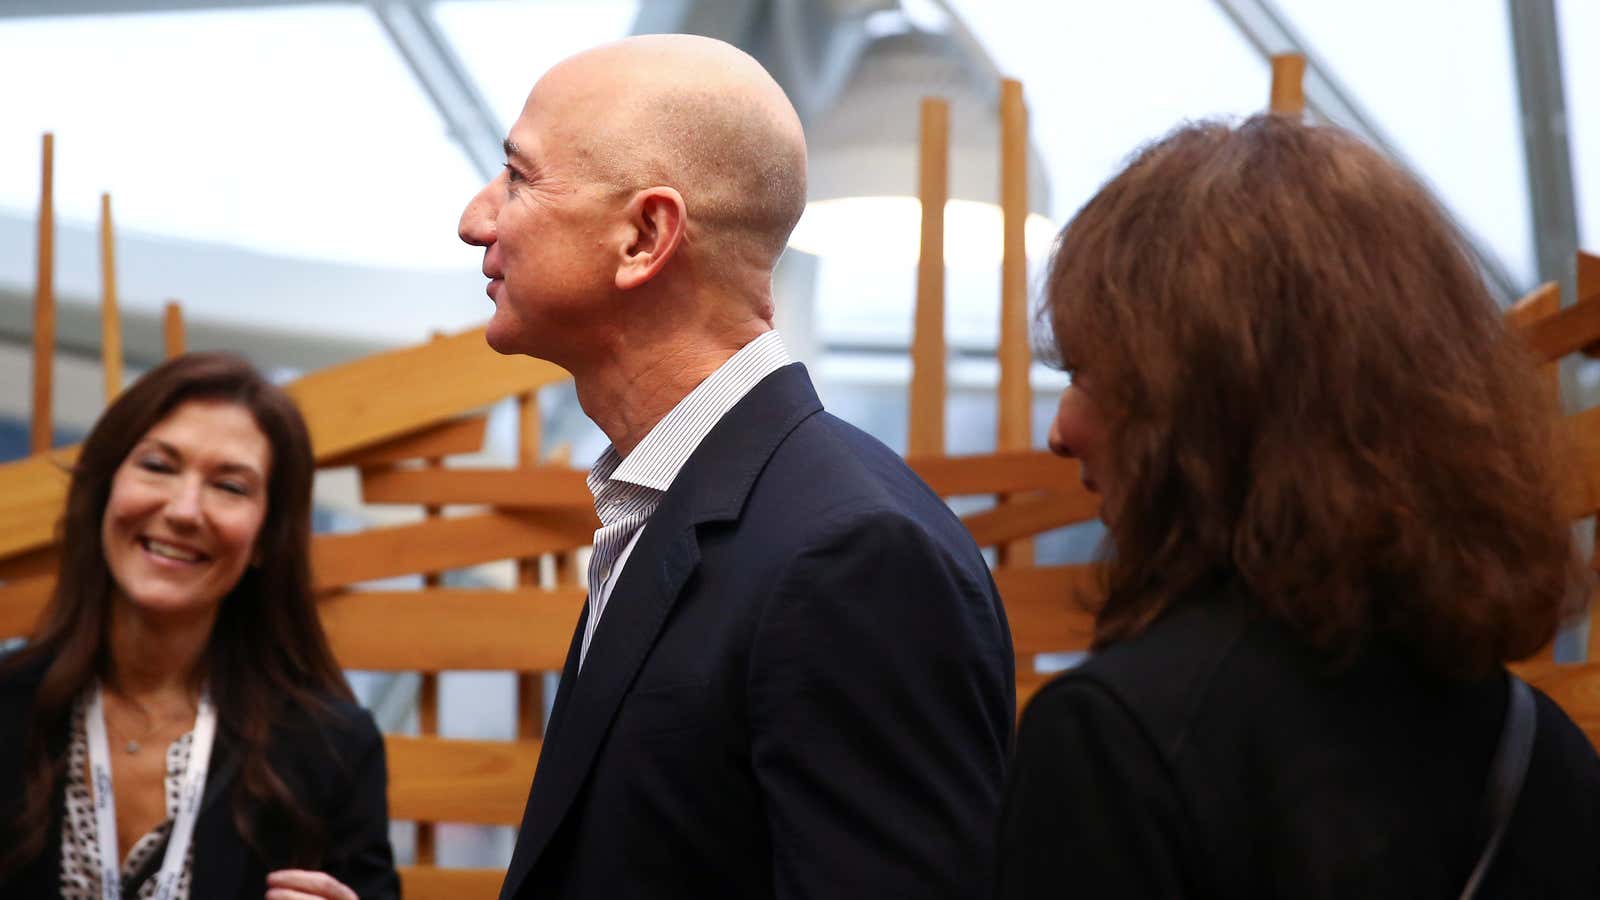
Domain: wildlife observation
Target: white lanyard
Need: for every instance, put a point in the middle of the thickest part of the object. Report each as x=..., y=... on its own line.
x=105, y=804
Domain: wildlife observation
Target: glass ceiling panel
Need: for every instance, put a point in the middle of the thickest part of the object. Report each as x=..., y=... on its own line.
x=1438, y=77
x=546, y=31
x=291, y=131
x=1579, y=21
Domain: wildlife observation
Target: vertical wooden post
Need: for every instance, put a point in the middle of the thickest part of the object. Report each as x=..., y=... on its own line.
x=1288, y=84
x=428, y=682
x=41, y=428
x=172, y=336
x=1015, y=431
x=925, y=430
x=1542, y=301
x=110, y=319
x=530, y=685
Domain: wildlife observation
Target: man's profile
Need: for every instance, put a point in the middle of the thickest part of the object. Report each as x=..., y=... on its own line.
x=793, y=677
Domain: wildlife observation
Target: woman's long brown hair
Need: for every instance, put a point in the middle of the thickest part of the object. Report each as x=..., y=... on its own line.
x=1311, y=391
x=267, y=656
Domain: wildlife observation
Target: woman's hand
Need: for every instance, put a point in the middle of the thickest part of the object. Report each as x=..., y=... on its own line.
x=298, y=884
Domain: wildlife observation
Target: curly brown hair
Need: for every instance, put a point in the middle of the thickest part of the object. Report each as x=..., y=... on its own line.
x=1309, y=390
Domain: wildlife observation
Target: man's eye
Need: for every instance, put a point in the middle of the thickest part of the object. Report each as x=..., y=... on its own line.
x=512, y=175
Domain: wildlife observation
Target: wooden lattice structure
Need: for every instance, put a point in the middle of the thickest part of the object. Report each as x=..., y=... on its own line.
x=397, y=416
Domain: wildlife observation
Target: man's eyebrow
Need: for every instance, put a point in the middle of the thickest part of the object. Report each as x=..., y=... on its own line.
x=513, y=151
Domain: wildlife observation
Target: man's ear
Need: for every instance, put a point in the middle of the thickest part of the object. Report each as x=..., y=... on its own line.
x=658, y=221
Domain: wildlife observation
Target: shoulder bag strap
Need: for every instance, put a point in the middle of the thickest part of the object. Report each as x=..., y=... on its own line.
x=1506, y=773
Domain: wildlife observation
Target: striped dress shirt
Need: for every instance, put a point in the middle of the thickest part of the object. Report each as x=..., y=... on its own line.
x=627, y=491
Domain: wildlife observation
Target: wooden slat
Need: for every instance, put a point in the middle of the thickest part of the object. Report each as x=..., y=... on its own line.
x=1288, y=84
x=1574, y=687
x=1588, y=276
x=21, y=602
x=925, y=431
x=32, y=494
x=339, y=560
x=35, y=562
x=530, y=685
x=40, y=435
x=1542, y=302
x=463, y=435
x=174, y=339
x=1027, y=516
x=447, y=780
x=357, y=404
x=992, y=473
x=438, y=629
x=434, y=883
x=1581, y=492
x=1043, y=610
x=1568, y=331
x=541, y=487
x=110, y=321
x=1015, y=413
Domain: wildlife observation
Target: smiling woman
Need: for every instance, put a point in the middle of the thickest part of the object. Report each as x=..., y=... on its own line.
x=183, y=620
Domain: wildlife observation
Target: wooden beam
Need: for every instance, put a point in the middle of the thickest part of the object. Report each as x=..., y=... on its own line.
x=925, y=431
x=1542, y=302
x=542, y=487
x=340, y=560
x=1288, y=84
x=1015, y=416
x=33, y=492
x=41, y=428
x=1572, y=329
x=463, y=435
x=434, y=779
x=1024, y=517
x=1588, y=276
x=434, y=883
x=173, y=338
x=21, y=602
x=530, y=684
x=42, y=561
x=1044, y=606
x=110, y=320
x=1581, y=492
x=450, y=629
x=378, y=397
x=992, y=473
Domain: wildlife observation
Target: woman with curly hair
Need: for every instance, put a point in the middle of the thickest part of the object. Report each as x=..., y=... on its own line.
x=1329, y=481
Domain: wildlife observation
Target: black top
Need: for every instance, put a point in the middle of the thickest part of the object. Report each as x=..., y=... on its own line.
x=1216, y=756
x=802, y=685
x=333, y=765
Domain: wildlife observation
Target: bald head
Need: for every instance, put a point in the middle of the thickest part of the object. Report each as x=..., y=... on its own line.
x=691, y=113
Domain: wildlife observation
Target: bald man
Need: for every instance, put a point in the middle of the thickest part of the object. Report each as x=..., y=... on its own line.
x=793, y=677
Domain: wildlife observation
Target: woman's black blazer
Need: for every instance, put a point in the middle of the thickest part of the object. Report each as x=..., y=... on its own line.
x=333, y=764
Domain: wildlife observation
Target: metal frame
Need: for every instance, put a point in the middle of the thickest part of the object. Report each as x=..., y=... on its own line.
x=1541, y=92
x=1269, y=32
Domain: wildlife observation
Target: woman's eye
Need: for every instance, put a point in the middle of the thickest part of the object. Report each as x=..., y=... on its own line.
x=234, y=487
x=155, y=464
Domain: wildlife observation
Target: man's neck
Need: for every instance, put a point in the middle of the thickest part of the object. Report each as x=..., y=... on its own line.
x=643, y=380
x=158, y=655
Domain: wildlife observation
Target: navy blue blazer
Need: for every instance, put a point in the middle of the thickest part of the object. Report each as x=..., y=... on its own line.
x=334, y=767
x=802, y=686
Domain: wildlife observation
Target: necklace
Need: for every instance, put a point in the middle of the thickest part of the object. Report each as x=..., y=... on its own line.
x=132, y=745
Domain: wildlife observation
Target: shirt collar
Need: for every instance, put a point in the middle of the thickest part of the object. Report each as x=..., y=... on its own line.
x=657, y=459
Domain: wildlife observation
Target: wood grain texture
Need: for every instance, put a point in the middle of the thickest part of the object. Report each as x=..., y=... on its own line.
x=110, y=319
x=340, y=560
x=33, y=492
x=1009, y=472
x=464, y=435
x=1542, y=302
x=434, y=779
x=1288, y=84
x=1568, y=331
x=378, y=397
x=1015, y=415
x=41, y=424
x=434, y=883
x=1043, y=608
x=540, y=487
x=174, y=339
x=21, y=602
x=1026, y=516
x=925, y=430
x=453, y=629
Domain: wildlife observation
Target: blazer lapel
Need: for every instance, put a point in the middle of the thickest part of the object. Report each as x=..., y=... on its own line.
x=711, y=487
x=219, y=851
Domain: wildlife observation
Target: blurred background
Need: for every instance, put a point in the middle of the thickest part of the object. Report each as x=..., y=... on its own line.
x=292, y=172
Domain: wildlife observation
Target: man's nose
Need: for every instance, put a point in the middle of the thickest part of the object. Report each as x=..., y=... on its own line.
x=477, y=220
